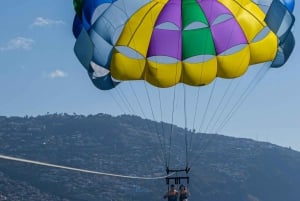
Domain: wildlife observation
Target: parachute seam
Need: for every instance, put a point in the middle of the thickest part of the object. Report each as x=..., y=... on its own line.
x=133, y=33
x=259, y=21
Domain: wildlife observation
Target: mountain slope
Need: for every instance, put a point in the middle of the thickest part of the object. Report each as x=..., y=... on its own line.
x=223, y=168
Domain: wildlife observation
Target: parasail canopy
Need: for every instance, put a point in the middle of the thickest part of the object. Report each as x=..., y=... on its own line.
x=179, y=41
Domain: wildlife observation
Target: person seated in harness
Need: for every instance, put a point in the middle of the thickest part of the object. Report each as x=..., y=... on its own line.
x=172, y=194
x=183, y=193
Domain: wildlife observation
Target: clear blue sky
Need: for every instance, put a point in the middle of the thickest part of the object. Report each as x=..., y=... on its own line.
x=39, y=73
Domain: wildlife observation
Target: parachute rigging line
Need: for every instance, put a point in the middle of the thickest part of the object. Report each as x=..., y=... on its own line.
x=129, y=108
x=185, y=126
x=161, y=121
x=80, y=170
x=226, y=104
x=203, y=118
x=163, y=148
x=138, y=101
x=219, y=105
x=142, y=110
x=117, y=102
x=194, y=120
x=172, y=123
x=207, y=106
x=124, y=100
x=127, y=101
x=250, y=87
x=161, y=115
x=196, y=107
x=258, y=77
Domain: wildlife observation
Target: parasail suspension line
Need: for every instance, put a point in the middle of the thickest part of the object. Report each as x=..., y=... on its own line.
x=207, y=105
x=185, y=127
x=125, y=100
x=117, y=102
x=258, y=77
x=163, y=148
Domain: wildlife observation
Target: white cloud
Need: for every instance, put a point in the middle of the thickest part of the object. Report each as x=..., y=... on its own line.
x=18, y=43
x=40, y=22
x=57, y=74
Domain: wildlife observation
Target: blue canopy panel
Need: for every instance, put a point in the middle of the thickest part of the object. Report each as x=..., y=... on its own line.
x=84, y=50
x=90, y=8
x=103, y=22
x=280, y=20
x=290, y=4
x=77, y=26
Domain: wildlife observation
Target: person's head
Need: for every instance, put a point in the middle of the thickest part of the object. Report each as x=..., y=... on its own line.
x=172, y=187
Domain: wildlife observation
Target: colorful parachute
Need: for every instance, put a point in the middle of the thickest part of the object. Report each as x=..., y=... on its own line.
x=166, y=42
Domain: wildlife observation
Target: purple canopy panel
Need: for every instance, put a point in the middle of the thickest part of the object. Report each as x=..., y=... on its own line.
x=171, y=13
x=164, y=41
x=213, y=9
x=226, y=34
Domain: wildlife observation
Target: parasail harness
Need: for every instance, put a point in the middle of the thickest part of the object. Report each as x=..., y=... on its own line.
x=177, y=178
